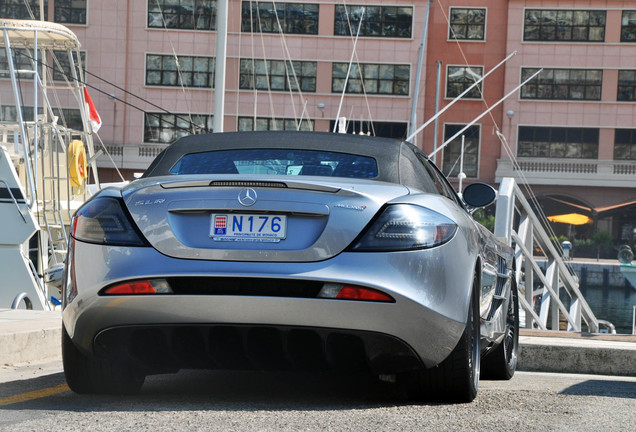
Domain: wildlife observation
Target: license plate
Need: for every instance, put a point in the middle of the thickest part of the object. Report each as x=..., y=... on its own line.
x=248, y=227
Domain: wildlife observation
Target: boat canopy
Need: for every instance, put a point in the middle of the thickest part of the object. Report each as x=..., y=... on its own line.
x=23, y=33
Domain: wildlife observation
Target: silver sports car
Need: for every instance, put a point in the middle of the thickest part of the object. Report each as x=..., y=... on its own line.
x=289, y=250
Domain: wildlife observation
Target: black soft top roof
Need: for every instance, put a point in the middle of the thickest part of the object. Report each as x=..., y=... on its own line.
x=386, y=151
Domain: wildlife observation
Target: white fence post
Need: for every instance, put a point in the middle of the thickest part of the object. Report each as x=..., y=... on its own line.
x=519, y=227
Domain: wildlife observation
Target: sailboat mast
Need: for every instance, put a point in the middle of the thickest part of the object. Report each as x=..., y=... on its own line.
x=418, y=76
x=219, y=66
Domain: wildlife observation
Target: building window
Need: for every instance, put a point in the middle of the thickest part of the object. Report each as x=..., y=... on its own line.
x=70, y=118
x=19, y=9
x=564, y=25
x=378, y=21
x=277, y=75
x=22, y=60
x=166, y=128
x=379, y=129
x=467, y=24
x=556, y=142
x=264, y=123
x=62, y=68
x=371, y=78
x=459, y=78
x=453, y=151
x=182, y=14
x=626, y=85
x=628, y=26
x=562, y=84
x=294, y=18
x=163, y=70
x=625, y=144
x=70, y=11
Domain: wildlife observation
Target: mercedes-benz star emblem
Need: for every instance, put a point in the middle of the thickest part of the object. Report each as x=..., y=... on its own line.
x=247, y=197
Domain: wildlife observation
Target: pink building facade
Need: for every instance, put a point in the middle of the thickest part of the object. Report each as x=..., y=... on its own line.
x=596, y=82
x=572, y=130
x=569, y=133
x=130, y=47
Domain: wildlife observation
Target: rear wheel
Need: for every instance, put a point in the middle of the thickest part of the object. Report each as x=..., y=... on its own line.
x=457, y=377
x=87, y=375
x=501, y=363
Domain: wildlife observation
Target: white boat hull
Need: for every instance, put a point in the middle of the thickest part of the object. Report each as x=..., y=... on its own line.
x=629, y=271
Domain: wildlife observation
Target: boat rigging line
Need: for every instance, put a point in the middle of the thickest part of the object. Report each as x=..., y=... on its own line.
x=266, y=69
x=176, y=60
x=458, y=98
x=344, y=88
x=289, y=65
x=364, y=89
x=114, y=97
x=504, y=142
x=448, y=141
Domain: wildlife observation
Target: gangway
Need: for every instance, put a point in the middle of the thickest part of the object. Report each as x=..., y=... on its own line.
x=44, y=157
x=551, y=299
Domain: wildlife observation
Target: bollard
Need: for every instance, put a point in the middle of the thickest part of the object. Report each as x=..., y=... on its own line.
x=566, y=245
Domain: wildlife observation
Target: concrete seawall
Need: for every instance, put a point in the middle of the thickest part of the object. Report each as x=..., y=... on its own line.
x=595, y=273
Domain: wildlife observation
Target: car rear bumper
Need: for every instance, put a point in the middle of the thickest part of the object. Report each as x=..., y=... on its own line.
x=424, y=324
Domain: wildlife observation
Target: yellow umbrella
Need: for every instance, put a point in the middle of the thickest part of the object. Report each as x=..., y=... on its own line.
x=571, y=218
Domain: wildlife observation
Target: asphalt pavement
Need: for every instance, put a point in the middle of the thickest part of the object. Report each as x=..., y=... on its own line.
x=35, y=336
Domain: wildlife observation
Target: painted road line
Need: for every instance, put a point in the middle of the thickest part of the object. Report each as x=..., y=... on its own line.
x=37, y=394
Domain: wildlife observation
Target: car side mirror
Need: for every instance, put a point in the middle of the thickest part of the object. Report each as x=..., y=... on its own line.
x=478, y=195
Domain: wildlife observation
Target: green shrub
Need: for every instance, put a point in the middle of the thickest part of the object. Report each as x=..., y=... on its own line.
x=602, y=238
x=486, y=220
x=556, y=241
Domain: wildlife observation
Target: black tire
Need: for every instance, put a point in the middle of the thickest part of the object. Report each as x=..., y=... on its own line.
x=457, y=377
x=501, y=363
x=88, y=375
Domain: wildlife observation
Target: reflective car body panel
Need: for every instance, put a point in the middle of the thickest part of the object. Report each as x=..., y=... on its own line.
x=218, y=282
x=329, y=217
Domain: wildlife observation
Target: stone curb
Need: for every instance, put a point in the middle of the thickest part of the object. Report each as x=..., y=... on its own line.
x=35, y=336
x=29, y=336
x=571, y=355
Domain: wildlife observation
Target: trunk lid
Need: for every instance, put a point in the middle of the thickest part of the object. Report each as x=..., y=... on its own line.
x=195, y=217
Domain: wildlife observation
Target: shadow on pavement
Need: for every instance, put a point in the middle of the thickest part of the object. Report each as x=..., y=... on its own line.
x=615, y=389
x=219, y=390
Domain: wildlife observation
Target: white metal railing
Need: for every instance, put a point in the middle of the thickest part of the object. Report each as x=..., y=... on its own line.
x=582, y=172
x=517, y=225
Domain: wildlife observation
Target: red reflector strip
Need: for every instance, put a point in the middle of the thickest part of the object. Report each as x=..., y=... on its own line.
x=142, y=287
x=365, y=294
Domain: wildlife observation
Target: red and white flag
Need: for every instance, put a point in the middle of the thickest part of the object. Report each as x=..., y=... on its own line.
x=93, y=116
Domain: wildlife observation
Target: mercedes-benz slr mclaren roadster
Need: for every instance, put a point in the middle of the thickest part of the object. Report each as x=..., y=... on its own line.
x=289, y=250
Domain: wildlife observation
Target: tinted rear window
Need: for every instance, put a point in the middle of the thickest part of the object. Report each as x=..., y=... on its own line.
x=277, y=162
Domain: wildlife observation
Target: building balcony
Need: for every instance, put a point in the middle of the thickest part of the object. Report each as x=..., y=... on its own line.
x=135, y=157
x=568, y=172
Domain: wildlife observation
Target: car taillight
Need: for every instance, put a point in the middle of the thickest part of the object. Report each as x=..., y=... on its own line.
x=405, y=227
x=153, y=286
x=104, y=221
x=353, y=292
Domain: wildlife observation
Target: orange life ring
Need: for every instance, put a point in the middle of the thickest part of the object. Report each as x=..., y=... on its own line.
x=77, y=163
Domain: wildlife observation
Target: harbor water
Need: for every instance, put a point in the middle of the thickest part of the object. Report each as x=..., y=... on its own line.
x=607, y=292
x=612, y=303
